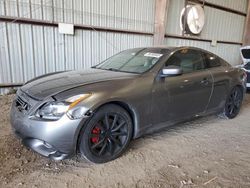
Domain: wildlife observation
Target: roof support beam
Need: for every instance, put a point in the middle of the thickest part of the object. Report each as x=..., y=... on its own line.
x=161, y=8
x=246, y=37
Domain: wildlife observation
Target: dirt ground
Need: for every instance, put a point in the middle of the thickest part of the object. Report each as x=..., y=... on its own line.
x=208, y=152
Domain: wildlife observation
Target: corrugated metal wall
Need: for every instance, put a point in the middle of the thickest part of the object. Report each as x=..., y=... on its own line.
x=27, y=51
x=219, y=25
x=123, y=14
x=240, y=5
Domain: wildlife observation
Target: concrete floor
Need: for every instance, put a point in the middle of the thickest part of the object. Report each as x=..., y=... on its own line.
x=208, y=152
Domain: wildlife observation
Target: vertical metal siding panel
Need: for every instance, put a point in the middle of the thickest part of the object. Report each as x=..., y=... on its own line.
x=95, y=47
x=87, y=12
x=123, y=42
x=69, y=52
x=118, y=14
x=125, y=15
x=173, y=17
x=78, y=11
x=110, y=10
x=27, y=52
x=68, y=14
x=141, y=15
x=137, y=15
x=149, y=18
x=2, y=8
x=49, y=49
x=5, y=65
x=131, y=14
x=24, y=8
x=4, y=54
x=130, y=41
x=39, y=53
x=36, y=9
x=240, y=5
x=58, y=10
x=144, y=15
x=78, y=52
x=15, y=52
x=87, y=48
x=218, y=26
x=102, y=46
x=59, y=50
x=47, y=8
x=117, y=43
x=147, y=41
x=11, y=8
x=122, y=14
x=96, y=13
x=103, y=13
x=110, y=44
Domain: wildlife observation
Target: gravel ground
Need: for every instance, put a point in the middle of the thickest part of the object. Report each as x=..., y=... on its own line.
x=207, y=152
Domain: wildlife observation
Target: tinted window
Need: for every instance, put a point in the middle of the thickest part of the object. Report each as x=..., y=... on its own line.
x=212, y=61
x=188, y=60
x=247, y=66
x=246, y=53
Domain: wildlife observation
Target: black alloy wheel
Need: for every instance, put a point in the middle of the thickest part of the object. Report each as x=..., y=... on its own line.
x=106, y=135
x=233, y=103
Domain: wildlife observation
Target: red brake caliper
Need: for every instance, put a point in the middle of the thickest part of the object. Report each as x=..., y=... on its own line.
x=96, y=131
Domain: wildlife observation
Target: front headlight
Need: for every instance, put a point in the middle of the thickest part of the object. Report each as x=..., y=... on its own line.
x=52, y=110
x=56, y=109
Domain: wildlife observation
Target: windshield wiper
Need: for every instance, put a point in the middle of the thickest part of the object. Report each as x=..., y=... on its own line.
x=113, y=69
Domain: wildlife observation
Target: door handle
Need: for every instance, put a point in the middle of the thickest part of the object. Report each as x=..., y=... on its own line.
x=205, y=81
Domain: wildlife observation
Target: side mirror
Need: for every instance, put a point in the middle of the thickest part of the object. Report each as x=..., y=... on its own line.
x=171, y=71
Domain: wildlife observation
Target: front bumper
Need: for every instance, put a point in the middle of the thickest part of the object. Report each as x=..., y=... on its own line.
x=53, y=139
x=43, y=148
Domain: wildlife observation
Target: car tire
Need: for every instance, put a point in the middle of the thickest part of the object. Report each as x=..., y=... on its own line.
x=233, y=103
x=106, y=135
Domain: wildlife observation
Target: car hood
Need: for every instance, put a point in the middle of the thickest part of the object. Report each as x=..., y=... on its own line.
x=56, y=83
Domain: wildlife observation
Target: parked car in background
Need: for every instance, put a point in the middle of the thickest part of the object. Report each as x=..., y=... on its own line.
x=245, y=55
x=97, y=112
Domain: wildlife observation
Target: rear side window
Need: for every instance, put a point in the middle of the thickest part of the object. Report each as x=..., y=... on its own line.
x=212, y=61
x=188, y=60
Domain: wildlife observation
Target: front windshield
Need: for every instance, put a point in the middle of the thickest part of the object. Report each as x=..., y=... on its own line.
x=133, y=60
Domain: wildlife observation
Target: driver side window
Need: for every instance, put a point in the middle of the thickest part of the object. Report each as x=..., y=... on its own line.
x=188, y=60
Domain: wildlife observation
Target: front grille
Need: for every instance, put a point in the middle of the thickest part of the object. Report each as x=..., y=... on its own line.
x=21, y=104
x=248, y=77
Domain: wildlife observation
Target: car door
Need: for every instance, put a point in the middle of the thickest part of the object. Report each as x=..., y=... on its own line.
x=186, y=95
x=218, y=69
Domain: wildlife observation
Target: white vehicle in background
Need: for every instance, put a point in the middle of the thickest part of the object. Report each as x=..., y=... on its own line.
x=245, y=55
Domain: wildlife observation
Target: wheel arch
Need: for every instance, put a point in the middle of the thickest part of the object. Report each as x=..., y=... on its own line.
x=241, y=87
x=130, y=110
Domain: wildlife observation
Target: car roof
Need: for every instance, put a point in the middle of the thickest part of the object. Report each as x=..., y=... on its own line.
x=173, y=48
